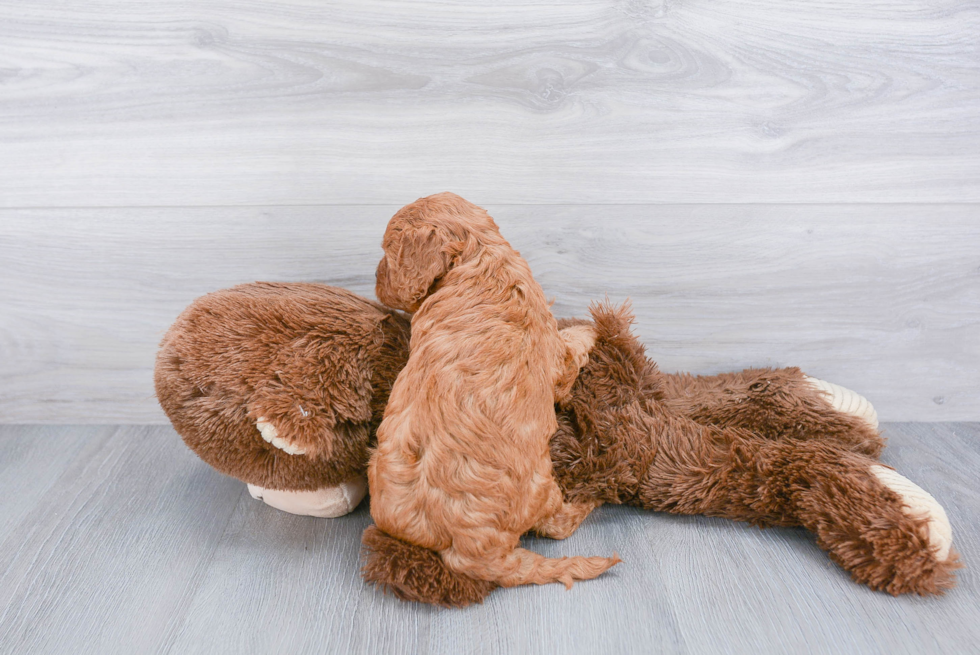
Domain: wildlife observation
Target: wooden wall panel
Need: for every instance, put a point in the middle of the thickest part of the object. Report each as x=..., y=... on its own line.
x=221, y=102
x=884, y=299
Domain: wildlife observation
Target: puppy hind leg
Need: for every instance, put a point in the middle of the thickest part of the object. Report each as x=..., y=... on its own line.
x=565, y=521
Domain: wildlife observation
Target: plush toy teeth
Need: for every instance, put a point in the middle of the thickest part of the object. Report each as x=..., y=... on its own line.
x=845, y=400
x=328, y=502
x=269, y=433
x=918, y=503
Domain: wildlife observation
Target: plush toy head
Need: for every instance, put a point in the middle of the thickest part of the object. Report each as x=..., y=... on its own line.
x=424, y=240
x=314, y=362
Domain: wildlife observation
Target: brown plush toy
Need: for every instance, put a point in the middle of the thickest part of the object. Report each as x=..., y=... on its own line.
x=283, y=385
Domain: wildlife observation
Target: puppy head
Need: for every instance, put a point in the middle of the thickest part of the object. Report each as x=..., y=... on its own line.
x=426, y=239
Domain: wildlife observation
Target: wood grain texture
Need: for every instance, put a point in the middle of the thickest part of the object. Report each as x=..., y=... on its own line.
x=139, y=547
x=109, y=554
x=884, y=300
x=214, y=102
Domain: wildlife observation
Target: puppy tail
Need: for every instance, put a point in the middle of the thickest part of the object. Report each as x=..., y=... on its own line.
x=414, y=573
x=521, y=566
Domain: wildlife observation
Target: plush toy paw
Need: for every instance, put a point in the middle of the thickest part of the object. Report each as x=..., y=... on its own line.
x=328, y=502
x=846, y=401
x=269, y=433
x=917, y=503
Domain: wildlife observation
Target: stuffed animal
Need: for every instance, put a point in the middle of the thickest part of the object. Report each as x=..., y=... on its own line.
x=283, y=385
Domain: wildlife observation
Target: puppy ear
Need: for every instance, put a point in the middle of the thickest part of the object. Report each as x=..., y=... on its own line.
x=413, y=262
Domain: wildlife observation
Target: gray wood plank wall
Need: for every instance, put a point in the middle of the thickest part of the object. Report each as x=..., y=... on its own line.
x=213, y=102
x=771, y=183
x=884, y=299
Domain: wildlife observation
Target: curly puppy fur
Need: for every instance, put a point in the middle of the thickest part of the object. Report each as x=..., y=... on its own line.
x=316, y=361
x=620, y=441
x=462, y=465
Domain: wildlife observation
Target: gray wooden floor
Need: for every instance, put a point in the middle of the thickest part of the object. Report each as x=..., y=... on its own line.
x=118, y=539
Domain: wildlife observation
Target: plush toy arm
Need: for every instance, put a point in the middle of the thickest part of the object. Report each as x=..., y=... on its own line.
x=885, y=531
x=777, y=404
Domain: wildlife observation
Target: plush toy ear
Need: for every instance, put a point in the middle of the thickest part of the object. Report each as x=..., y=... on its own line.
x=414, y=260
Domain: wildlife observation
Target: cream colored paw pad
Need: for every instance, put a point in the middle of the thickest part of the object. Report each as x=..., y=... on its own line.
x=269, y=433
x=919, y=504
x=328, y=502
x=846, y=401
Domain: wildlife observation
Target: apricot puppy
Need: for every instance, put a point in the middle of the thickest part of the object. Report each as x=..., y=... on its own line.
x=463, y=465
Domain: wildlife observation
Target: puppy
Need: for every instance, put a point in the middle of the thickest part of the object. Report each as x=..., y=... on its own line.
x=462, y=465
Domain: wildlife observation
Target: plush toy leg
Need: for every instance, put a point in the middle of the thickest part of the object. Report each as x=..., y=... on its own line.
x=886, y=532
x=917, y=503
x=329, y=502
x=777, y=404
x=846, y=401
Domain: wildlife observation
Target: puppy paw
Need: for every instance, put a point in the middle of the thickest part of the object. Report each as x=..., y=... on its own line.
x=579, y=339
x=269, y=433
x=846, y=401
x=917, y=503
x=328, y=502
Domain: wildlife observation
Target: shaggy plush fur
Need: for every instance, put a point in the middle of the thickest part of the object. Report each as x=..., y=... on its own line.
x=462, y=465
x=775, y=404
x=315, y=361
x=619, y=441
